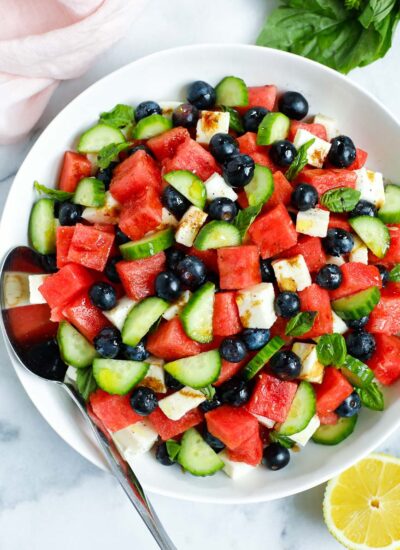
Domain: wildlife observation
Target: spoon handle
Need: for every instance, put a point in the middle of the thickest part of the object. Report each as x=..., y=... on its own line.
x=125, y=475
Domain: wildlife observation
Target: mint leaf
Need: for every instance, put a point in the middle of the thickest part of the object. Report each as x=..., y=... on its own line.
x=283, y=440
x=371, y=397
x=300, y=160
x=235, y=120
x=208, y=392
x=331, y=349
x=300, y=323
x=52, y=193
x=119, y=117
x=173, y=449
x=394, y=274
x=85, y=382
x=109, y=154
x=341, y=199
x=245, y=218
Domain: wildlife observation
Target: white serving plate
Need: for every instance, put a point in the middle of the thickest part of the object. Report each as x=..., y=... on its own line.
x=164, y=76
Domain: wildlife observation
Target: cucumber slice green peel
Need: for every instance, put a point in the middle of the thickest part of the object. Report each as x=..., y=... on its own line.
x=148, y=246
x=189, y=185
x=262, y=357
x=196, y=456
x=273, y=127
x=336, y=433
x=118, y=377
x=390, y=211
x=232, y=92
x=197, y=315
x=151, y=126
x=197, y=371
x=357, y=373
x=357, y=305
x=141, y=318
x=302, y=410
x=98, y=137
x=217, y=234
x=261, y=187
x=42, y=226
x=75, y=350
x=373, y=232
x=90, y=192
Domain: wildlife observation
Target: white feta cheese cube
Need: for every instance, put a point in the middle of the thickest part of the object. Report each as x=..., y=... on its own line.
x=190, y=225
x=216, y=187
x=179, y=403
x=292, y=274
x=176, y=307
x=317, y=152
x=265, y=421
x=303, y=437
x=168, y=107
x=167, y=219
x=256, y=306
x=339, y=326
x=233, y=469
x=370, y=185
x=155, y=377
x=329, y=123
x=359, y=251
x=311, y=369
x=135, y=439
x=335, y=260
x=211, y=123
x=313, y=222
x=109, y=213
x=15, y=289
x=35, y=281
x=119, y=313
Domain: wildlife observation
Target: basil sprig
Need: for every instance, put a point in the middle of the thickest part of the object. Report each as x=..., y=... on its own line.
x=371, y=397
x=109, y=154
x=85, y=382
x=284, y=440
x=235, y=120
x=300, y=323
x=300, y=160
x=56, y=194
x=394, y=274
x=331, y=349
x=173, y=449
x=342, y=199
x=119, y=117
x=245, y=218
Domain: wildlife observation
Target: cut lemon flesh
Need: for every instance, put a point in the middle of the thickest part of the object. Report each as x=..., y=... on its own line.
x=362, y=504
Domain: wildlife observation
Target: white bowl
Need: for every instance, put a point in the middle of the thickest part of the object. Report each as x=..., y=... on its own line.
x=164, y=76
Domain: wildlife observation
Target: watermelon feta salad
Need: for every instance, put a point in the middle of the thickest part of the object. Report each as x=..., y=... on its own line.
x=224, y=275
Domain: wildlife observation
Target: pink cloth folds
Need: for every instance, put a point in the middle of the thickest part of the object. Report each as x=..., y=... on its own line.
x=45, y=41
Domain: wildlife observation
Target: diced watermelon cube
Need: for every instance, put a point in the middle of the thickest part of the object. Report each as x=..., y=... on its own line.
x=239, y=267
x=332, y=391
x=273, y=232
x=315, y=298
x=169, y=341
x=282, y=191
x=385, y=361
x=278, y=329
x=340, y=222
x=232, y=425
x=311, y=249
x=28, y=325
x=272, y=397
x=64, y=236
x=250, y=451
x=356, y=277
x=106, y=227
x=191, y=156
x=360, y=160
x=226, y=320
x=228, y=370
x=260, y=96
x=62, y=287
x=259, y=153
x=86, y=317
x=90, y=247
x=114, y=411
x=133, y=175
x=316, y=129
x=325, y=179
x=141, y=214
x=328, y=419
x=165, y=145
x=138, y=276
x=74, y=167
x=209, y=257
x=168, y=429
x=385, y=317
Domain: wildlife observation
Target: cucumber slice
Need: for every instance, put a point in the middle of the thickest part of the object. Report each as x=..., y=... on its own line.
x=261, y=187
x=141, y=318
x=196, y=456
x=301, y=411
x=42, y=226
x=373, y=232
x=357, y=372
x=197, y=371
x=274, y=126
x=232, y=92
x=148, y=246
x=75, y=350
x=98, y=137
x=118, y=377
x=189, y=185
x=264, y=355
x=151, y=126
x=334, y=434
x=90, y=192
x=217, y=234
x=390, y=211
x=197, y=315
x=357, y=305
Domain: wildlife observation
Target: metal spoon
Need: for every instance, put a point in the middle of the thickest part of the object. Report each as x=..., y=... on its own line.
x=37, y=352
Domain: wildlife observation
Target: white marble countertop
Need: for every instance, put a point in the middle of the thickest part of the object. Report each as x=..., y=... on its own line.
x=50, y=497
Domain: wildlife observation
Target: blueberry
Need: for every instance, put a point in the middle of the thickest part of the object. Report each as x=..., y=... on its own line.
x=223, y=147
x=238, y=171
x=147, y=108
x=185, y=115
x=210, y=404
x=350, y=406
x=192, y=272
x=49, y=263
x=174, y=201
x=283, y=152
x=358, y=324
x=234, y=392
x=135, y=353
x=110, y=270
x=215, y=443
x=45, y=360
x=69, y=213
x=162, y=455
x=337, y=242
x=253, y=117
x=143, y=401
x=329, y=277
x=361, y=345
x=342, y=152
x=304, y=197
x=276, y=456
x=287, y=304
x=173, y=257
x=267, y=271
x=108, y=342
x=364, y=208
x=294, y=105
x=105, y=174
x=172, y=383
x=201, y=95
x=120, y=237
x=384, y=273
x=141, y=147
x=222, y=208
x=232, y=349
x=285, y=365
x=168, y=286
x=103, y=296
x=255, y=338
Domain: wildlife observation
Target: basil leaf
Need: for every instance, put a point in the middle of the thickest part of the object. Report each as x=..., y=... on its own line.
x=371, y=397
x=52, y=193
x=245, y=218
x=283, y=440
x=341, y=199
x=85, y=382
x=300, y=160
x=119, y=117
x=109, y=154
x=376, y=11
x=352, y=4
x=331, y=349
x=300, y=323
x=208, y=392
x=394, y=274
x=173, y=449
x=235, y=120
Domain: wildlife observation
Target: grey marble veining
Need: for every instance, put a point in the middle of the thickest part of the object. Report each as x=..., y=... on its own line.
x=50, y=497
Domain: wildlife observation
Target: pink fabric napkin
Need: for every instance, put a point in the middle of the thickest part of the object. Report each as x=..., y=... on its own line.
x=45, y=41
